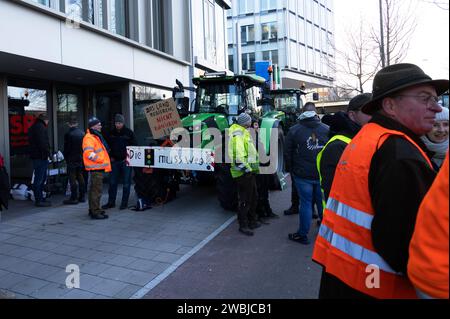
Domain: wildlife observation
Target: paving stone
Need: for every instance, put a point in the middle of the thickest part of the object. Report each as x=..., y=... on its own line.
x=107, y=287
x=139, y=277
x=11, y=280
x=142, y=265
x=127, y=292
x=37, y=255
x=115, y=273
x=122, y=261
x=50, y=291
x=29, y=286
x=167, y=257
x=78, y=294
x=94, y=268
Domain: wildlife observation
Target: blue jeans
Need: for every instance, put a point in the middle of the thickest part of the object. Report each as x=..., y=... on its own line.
x=119, y=168
x=40, y=175
x=310, y=193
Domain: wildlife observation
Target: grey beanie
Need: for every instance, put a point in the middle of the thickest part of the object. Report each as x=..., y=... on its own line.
x=119, y=118
x=244, y=119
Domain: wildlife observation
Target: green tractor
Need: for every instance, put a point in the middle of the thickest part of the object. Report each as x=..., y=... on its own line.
x=220, y=98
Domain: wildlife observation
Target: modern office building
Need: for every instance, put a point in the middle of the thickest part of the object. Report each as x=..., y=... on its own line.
x=297, y=35
x=98, y=57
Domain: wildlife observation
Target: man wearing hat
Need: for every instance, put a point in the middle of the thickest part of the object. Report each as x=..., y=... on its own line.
x=39, y=154
x=73, y=141
x=244, y=166
x=96, y=162
x=118, y=139
x=343, y=127
x=380, y=181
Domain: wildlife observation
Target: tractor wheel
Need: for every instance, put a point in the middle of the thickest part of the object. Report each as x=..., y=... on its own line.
x=226, y=188
x=275, y=181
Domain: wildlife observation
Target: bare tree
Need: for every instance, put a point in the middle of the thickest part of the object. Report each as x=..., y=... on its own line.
x=357, y=64
x=399, y=26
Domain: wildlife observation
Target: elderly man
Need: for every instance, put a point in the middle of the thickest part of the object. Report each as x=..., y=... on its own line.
x=380, y=181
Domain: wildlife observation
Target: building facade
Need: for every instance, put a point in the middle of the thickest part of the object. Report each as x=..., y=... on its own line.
x=297, y=35
x=98, y=57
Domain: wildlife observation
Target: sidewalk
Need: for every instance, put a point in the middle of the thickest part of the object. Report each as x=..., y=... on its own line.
x=117, y=257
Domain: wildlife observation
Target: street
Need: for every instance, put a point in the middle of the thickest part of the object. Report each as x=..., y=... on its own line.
x=189, y=248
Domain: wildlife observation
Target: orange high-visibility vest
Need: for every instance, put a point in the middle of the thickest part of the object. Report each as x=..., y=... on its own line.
x=428, y=252
x=344, y=244
x=92, y=145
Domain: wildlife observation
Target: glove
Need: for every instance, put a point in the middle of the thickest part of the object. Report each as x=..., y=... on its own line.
x=92, y=156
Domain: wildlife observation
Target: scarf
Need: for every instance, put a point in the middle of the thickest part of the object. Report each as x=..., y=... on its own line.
x=100, y=136
x=440, y=149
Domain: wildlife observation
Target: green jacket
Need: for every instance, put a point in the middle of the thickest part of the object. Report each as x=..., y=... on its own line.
x=242, y=152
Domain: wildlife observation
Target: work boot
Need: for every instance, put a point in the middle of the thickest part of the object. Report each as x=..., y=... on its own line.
x=99, y=216
x=70, y=202
x=246, y=231
x=272, y=215
x=108, y=206
x=123, y=206
x=291, y=211
x=254, y=225
x=263, y=221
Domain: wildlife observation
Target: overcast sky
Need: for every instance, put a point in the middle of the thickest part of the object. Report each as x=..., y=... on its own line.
x=429, y=47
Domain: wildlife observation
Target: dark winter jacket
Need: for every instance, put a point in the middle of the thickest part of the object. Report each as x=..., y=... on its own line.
x=340, y=124
x=304, y=141
x=118, y=141
x=73, y=141
x=399, y=178
x=39, y=140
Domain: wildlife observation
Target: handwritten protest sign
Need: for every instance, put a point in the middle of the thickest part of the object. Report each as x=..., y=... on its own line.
x=162, y=118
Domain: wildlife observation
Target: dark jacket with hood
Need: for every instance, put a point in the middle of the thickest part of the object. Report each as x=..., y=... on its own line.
x=304, y=141
x=118, y=142
x=340, y=124
x=73, y=141
x=39, y=141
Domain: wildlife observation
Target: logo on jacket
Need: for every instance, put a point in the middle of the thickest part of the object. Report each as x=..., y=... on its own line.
x=312, y=143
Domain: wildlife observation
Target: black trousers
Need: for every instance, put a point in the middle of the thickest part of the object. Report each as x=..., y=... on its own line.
x=332, y=288
x=263, y=208
x=295, y=200
x=247, y=197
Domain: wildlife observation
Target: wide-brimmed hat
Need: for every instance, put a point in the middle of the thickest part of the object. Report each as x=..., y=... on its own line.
x=394, y=78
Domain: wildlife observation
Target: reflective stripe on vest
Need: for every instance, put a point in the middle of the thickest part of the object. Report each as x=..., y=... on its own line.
x=354, y=250
x=342, y=138
x=96, y=166
x=344, y=244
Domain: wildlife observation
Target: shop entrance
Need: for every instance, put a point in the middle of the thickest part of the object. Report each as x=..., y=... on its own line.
x=24, y=105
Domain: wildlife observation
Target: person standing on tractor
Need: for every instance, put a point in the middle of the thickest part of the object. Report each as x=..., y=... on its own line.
x=244, y=166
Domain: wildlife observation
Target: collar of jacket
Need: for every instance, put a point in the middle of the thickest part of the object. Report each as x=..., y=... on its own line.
x=394, y=125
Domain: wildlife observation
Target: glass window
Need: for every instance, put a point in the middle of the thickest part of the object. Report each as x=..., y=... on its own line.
x=309, y=34
x=302, y=57
x=273, y=31
x=310, y=64
x=69, y=104
x=317, y=37
x=247, y=33
x=292, y=27
x=210, y=34
x=301, y=30
x=143, y=96
x=316, y=13
x=308, y=10
x=318, y=68
x=80, y=10
x=246, y=6
x=292, y=5
x=301, y=7
x=248, y=61
x=293, y=54
x=230, y=35
x=271, y=56
x=231, y=62
x=118, y=19
x=43, y=2
x=24, y=105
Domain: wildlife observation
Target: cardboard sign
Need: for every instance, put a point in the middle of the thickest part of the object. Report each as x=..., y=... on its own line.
x=162, y=118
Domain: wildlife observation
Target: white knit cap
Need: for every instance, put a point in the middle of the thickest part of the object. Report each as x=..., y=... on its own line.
x=442, y=116
x=244, y=119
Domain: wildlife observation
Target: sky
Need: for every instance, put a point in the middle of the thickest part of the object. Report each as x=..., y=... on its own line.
x=429, y=46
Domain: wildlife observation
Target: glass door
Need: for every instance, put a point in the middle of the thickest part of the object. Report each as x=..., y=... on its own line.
x=24, y=105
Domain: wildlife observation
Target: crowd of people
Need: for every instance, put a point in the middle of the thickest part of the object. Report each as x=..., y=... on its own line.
x=377, y=176
x=371, y=174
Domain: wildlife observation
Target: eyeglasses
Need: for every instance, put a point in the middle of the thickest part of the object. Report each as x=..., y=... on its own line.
x=425, y=99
